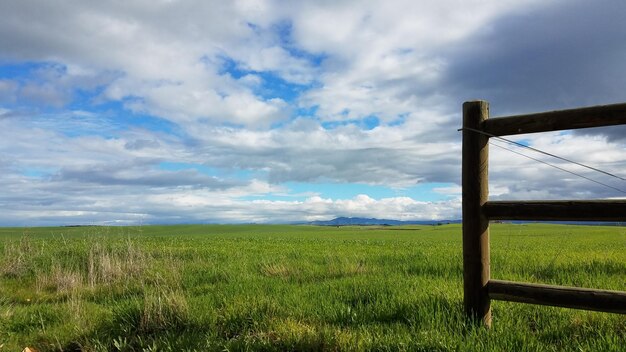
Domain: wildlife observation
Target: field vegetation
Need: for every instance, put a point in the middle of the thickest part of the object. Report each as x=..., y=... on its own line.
x=277, y=288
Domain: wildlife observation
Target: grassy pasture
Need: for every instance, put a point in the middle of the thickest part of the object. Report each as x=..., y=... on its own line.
x=266, y=287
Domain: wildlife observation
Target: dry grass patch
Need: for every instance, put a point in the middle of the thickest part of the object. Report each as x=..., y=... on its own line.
x=276, y=270
x=345, y=267
x=164, y=309
x=110, y=265
x=59, y=280
x=15, y=261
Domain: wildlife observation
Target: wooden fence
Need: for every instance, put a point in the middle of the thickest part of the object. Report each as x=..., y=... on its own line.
x=479, y=289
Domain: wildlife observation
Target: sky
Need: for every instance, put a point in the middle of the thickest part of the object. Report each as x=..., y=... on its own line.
x=165, y=111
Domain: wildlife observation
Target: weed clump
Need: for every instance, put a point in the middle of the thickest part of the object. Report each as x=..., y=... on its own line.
x=164, y=309
x=15, y=261
x=108, y=266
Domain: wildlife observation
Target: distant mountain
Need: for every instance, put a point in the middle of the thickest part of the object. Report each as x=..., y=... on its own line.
x=345, y=221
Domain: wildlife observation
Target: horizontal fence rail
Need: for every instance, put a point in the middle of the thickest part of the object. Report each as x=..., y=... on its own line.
x=560, y=296
x=595, y=116
x=562, y=210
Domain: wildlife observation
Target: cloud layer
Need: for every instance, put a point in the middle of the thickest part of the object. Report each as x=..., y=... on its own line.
x=206, y=111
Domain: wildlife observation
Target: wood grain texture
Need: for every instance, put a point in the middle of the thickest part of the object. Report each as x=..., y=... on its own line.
x=475, y=224
x=560, y=296
x=595, y=116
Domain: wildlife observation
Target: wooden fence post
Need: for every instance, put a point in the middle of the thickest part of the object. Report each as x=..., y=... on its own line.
x=475, y=223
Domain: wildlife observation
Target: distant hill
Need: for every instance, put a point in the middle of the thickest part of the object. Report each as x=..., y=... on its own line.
x=345, y=221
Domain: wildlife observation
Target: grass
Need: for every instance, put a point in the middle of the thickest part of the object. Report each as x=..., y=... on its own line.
x=276, y=288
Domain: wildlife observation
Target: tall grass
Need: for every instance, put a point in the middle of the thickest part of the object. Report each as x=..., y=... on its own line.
x=215, y=288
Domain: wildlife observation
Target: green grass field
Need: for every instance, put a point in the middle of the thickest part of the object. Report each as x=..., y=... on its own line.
x=257, y=288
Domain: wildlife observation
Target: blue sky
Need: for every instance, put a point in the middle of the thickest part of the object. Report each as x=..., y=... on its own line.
x=266, y=111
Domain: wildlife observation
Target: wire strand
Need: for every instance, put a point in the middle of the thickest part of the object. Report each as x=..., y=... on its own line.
x=542, y=152
x=559, y=168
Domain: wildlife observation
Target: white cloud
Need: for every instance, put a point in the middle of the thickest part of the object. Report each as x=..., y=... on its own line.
x=381, y=59
x=211, y=67
x=521, y=178
x=385, y=60
x=166, y=59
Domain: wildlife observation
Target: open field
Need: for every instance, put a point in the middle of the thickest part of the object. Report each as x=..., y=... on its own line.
x=248, y=287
